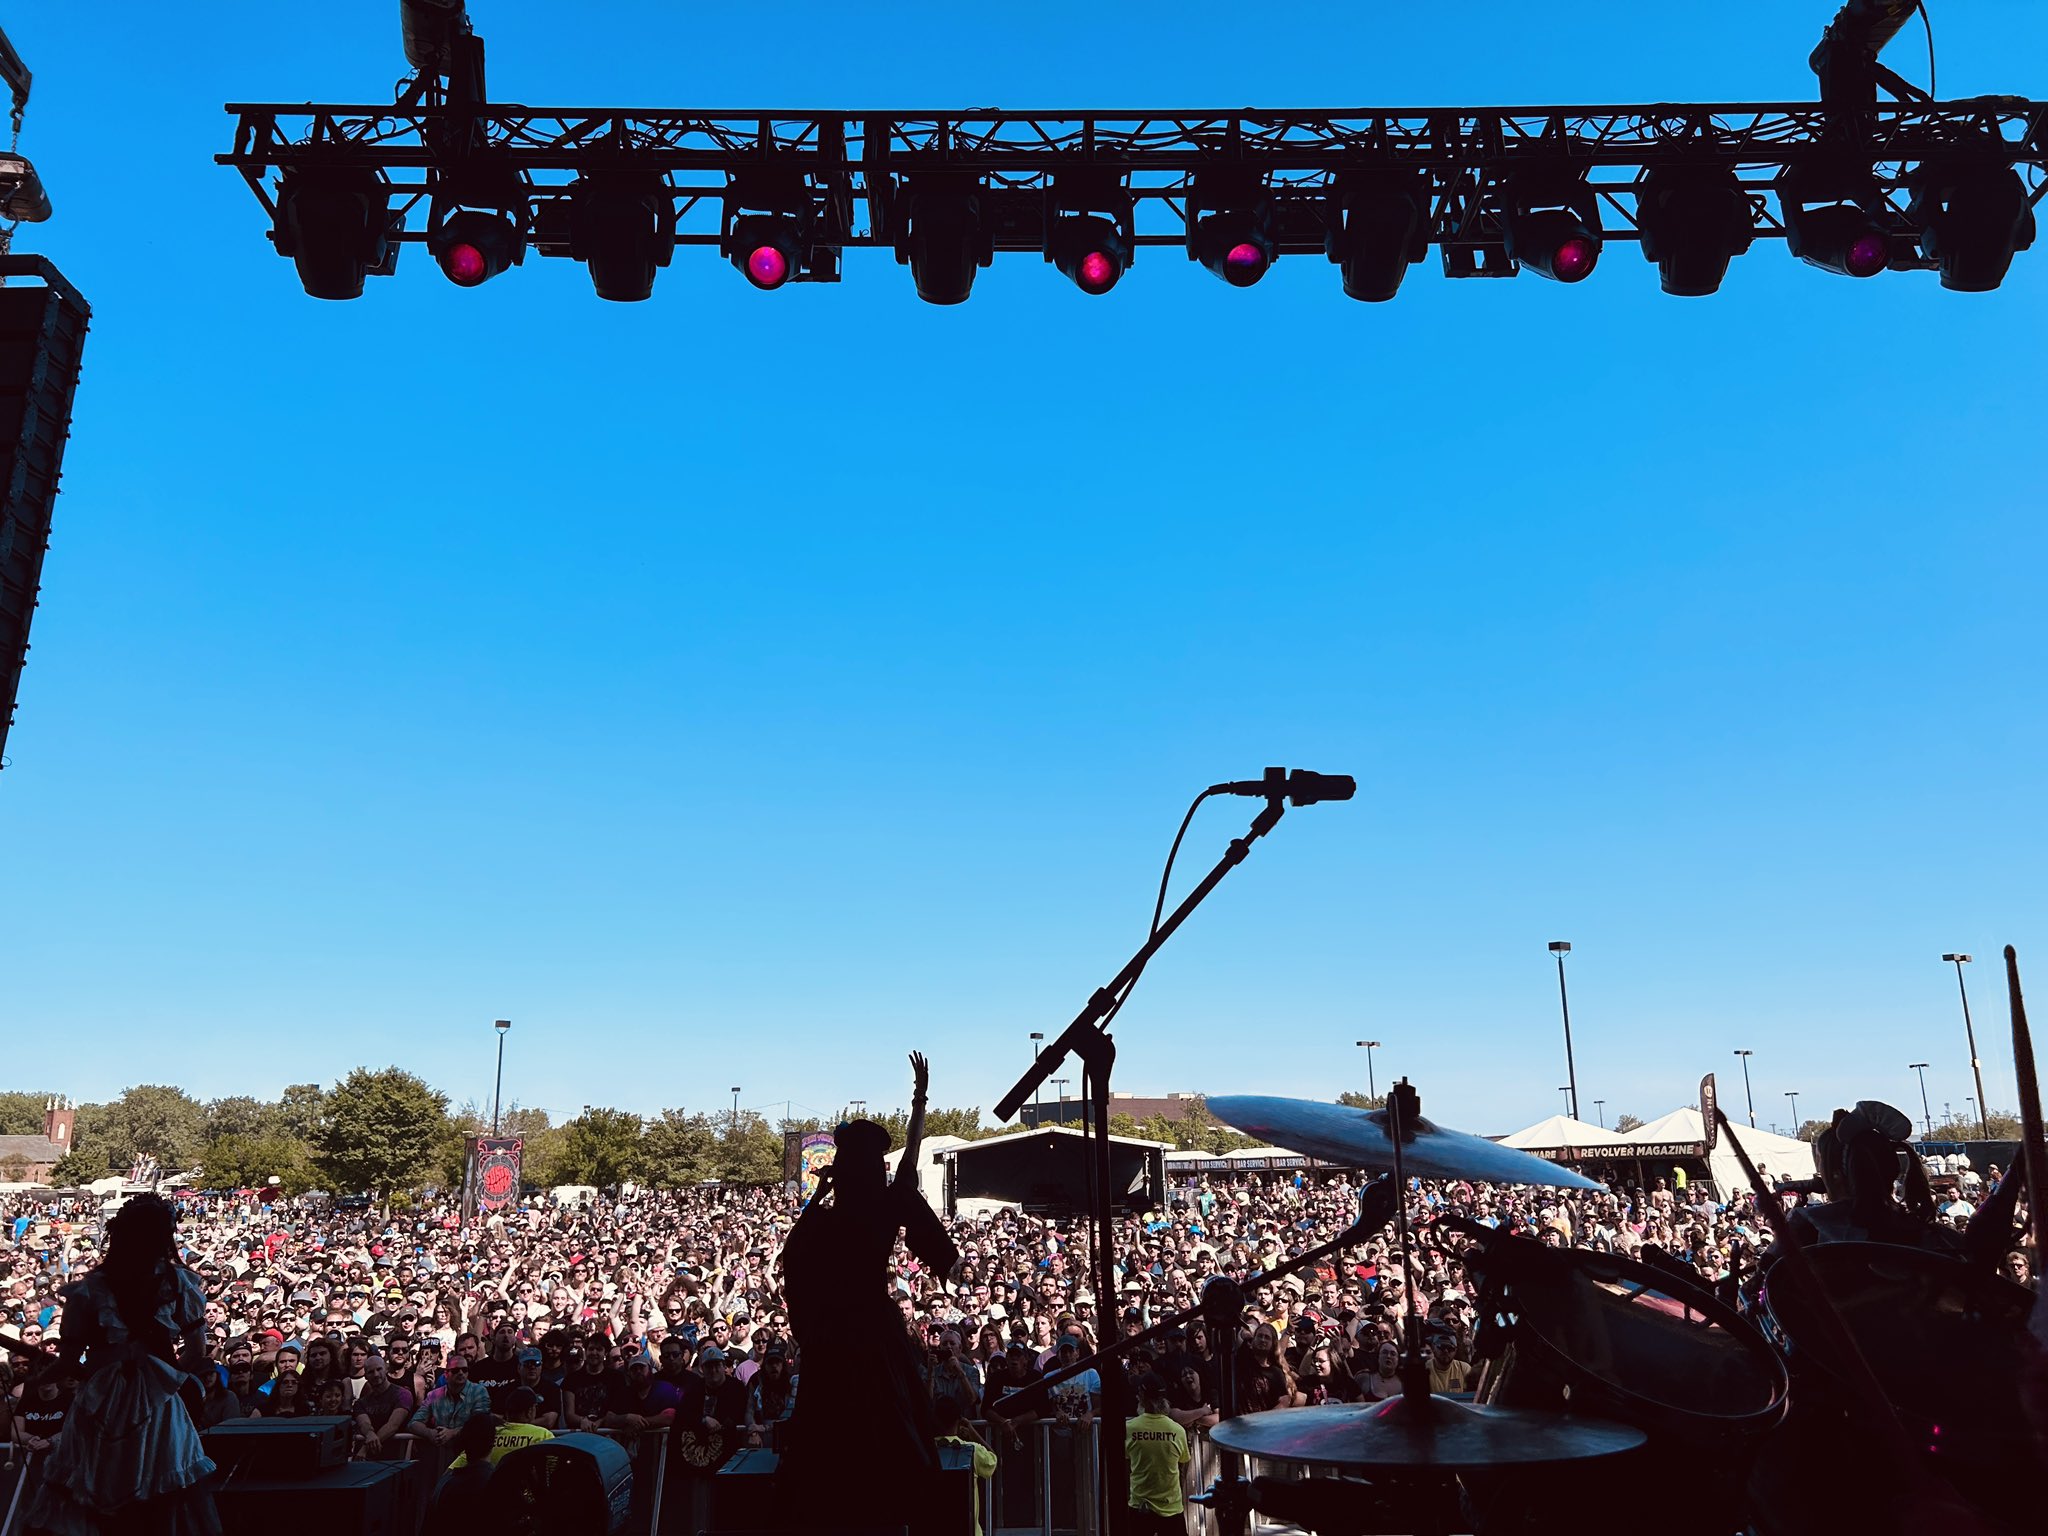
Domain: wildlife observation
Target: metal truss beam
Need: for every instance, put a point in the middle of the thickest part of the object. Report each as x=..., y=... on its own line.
x=854, y=163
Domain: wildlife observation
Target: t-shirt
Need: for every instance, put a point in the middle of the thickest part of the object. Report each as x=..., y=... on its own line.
x=984, y=1469
x=509, y=1438
x=1073, y=1397
x=1156, y=1448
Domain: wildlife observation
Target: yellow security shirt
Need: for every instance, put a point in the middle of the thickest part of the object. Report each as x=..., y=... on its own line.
x=1156, y=1448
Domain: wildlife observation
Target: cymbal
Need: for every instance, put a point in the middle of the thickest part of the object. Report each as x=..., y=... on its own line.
x=1439, y=1434
x=1359, y=1137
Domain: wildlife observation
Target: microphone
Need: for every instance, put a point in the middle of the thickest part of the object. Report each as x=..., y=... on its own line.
x=1300, y=787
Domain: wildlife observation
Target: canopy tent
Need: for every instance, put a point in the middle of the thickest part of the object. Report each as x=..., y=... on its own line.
x=1783, y=1157
x=1560, y=1133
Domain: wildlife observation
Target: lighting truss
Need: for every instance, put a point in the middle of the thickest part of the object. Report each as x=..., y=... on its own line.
x=857, y=168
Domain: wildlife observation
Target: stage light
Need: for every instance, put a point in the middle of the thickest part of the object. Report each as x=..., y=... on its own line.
x=1839, y=238
x=473, y=246
x=429, y=29
x=337, y=226
x=943, y=240
x=622, y=225
x=766, y=248
x=1694, y=220
x=1382, y=227
x=22, y=198
x=1234, y=243
x=1972, y=221
x=1090, y=251
x=1552, y=229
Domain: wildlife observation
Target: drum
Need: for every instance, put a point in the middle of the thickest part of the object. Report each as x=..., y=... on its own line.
x=1572, y=1330
x=1944, y=1340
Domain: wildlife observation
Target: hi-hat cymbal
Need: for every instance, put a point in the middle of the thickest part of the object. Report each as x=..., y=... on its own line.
x=1359, y=1137
x=1438, y=1434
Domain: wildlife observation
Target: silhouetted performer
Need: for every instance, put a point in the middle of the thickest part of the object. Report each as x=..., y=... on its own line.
x=859, y=1445
x=129, y=1462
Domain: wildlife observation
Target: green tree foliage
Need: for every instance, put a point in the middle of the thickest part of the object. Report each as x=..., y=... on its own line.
x=79, y=1166
x=21, y=1114
x=1963, y=1126
x=381, y=1131
x=250, y=1162
x=749, y=1152
x=601, y=1147
x=243, y=1116
x=302, y=1108
x=1808, y=1129
x=681, y=1149
x=1627, y=1123
x=1352, y=1098
x=150, y=1119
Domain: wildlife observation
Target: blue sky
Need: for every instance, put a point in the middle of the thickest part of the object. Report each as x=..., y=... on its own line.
x=747, y=688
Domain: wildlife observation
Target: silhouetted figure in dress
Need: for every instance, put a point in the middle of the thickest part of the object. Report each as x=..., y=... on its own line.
x=859, y=1448
x=129, y=1462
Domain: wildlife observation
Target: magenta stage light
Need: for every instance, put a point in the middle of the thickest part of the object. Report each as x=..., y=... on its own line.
x=767, y=267
x=1097, y=273
x=1868, y=255
x=1574, y=259
x=465, y=264
x=1244, y=264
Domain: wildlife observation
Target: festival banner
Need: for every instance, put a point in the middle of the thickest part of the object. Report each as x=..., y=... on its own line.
x=814, y=1151
x=490, y=1179
x=1707, y=1110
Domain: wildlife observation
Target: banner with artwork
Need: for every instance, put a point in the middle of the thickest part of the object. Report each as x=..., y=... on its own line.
x=490, y=1179
x=804, y=1153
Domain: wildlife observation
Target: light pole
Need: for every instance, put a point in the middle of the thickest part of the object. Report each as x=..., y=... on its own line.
x=1793, y=1095
x=1970, y=1034
x=1566, y=1090
x=735, y=1113
x=1600, y=1108
x=1976, y=1108
x=1745, y=1055
x=860, y=1109
x=1371, y=1088
x=1061, y=1084
x=504, y=1028
x=1561, y=948
x=1926, y=1114
x=1037, y=1088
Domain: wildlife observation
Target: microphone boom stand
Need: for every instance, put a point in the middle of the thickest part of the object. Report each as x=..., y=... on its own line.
x=1085, y=1038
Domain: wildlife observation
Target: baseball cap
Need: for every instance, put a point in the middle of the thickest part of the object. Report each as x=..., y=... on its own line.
x=711, y=1355
x=529, y=1356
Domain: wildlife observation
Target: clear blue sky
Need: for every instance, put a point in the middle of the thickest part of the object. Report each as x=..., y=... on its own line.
x=748, y=688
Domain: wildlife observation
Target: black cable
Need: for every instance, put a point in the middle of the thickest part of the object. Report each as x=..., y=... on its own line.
x=1927, y=23
x=1159, y=906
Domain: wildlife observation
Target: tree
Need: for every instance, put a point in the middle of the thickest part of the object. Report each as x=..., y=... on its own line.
x=149, y=1120
x=1353, y=1099
x=681, y=1149
x=241, y=1115
x=1626, y=1123
x=78, y=1166
x=601, y=1147
x=1123, y=1124
x=1967, y=1127
x=1808, y=1129
x=302, y=1107
x=21, y=1114
x=381, y=1131
x=251, y=1162
x=749, y=1152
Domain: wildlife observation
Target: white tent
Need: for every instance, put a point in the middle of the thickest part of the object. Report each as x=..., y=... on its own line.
x=1783, y=1157
x=1559, y=1132
x=931, y=1177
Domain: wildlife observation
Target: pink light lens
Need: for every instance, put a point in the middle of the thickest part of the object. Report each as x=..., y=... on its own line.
x=767, y=267
x=464, y=264
x=1244, y=263
x=1574, y=259
x=1098, y=273
x=1867, y=255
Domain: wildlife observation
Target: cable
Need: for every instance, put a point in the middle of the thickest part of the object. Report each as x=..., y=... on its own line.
x=1159, y=906
x=1927, y=23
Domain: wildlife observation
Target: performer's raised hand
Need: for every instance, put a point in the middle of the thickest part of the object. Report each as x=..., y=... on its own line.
x=921, y=1074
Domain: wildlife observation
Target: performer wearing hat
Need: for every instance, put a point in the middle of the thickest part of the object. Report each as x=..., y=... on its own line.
x=130, y=1459
x=860, y=1439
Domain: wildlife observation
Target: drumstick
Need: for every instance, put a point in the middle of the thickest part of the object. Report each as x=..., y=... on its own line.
x=2033, y=1144
x=1882, y=1417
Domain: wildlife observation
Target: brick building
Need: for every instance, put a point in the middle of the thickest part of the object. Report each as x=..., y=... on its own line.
x=29, y=1159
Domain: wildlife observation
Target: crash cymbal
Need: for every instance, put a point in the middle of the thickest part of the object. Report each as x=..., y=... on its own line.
x=1437, y=1434
x=1359, y=1137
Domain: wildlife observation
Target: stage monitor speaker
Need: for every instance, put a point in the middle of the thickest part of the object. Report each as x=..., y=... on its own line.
x=740, y=1500
x=363, y=1498
x=278, y=1448
x=42, y=332
x=577, y=1485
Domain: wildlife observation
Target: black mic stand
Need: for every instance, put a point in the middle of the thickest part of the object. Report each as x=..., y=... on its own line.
x=1085, y=1038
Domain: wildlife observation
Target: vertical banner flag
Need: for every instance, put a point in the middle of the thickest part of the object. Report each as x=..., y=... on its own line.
x=1707, y=1110
x=490, y=1179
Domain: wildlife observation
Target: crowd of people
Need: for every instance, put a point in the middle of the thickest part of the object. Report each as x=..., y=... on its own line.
x=642, y=1313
